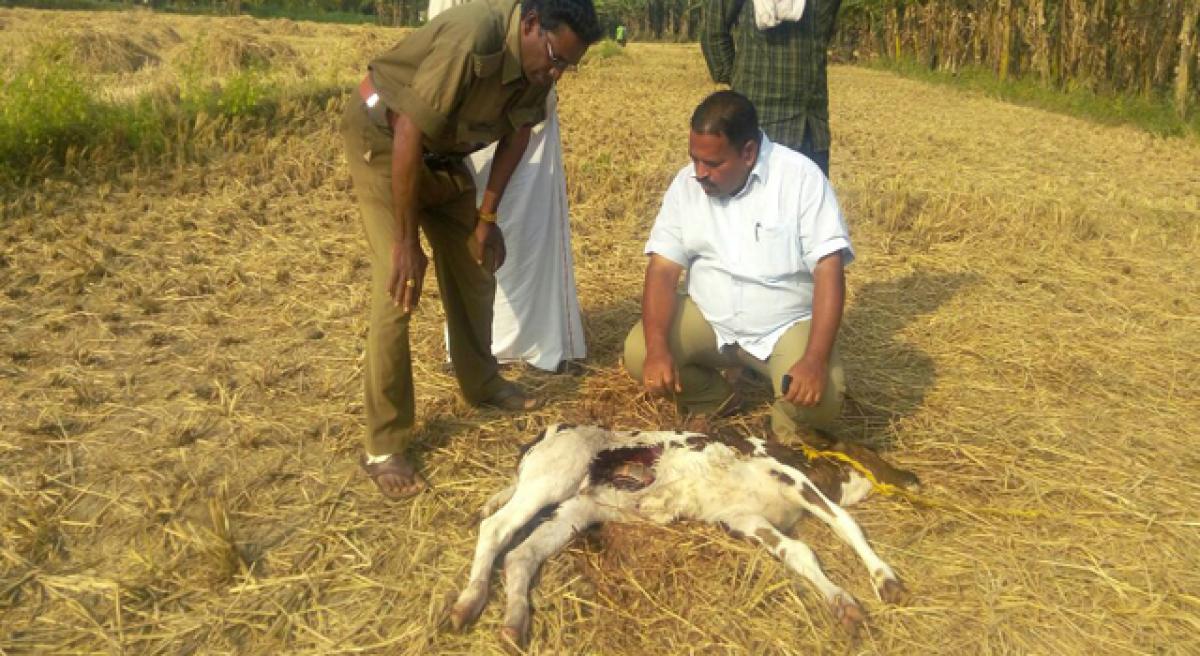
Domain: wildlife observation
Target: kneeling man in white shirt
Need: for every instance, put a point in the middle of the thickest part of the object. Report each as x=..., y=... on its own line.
x=758, y=230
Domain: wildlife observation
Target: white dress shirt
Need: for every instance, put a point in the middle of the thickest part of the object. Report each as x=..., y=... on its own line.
x=750, y=257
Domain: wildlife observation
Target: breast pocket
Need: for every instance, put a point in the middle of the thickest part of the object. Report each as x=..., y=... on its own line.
x=478, y=121
x=777, y=254
x=481, y=112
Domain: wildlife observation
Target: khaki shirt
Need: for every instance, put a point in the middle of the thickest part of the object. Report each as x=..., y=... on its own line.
x=459, y=78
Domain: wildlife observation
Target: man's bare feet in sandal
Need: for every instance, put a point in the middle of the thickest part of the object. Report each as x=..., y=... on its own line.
x=512, y=399
x=395, y=477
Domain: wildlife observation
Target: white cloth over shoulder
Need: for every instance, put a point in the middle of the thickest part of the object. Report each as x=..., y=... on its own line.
x=537, y=317
x=768, y=13
x=438, y=6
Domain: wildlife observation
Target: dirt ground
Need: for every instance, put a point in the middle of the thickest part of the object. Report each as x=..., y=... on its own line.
x=181, y=413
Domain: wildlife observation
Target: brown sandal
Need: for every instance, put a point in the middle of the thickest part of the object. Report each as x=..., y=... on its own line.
x=512, y=399
x=399, y=467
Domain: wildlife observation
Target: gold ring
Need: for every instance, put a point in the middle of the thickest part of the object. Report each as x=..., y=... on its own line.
x=410, y=283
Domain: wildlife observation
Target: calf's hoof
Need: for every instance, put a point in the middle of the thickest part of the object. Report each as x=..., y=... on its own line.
x=467, y=610
x=513, y=640
x=515, y=632
x=892, y=591
x=443, y=614
x=849, y=614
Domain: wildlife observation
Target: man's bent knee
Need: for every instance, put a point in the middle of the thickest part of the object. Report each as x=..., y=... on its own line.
x=634, y=356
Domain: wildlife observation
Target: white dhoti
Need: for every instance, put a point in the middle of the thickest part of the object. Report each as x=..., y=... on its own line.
x=536, y=313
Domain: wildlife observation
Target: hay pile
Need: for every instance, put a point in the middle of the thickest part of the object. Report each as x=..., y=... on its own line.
x=131, y=55
x=224, y=52
x=101, y=52
x=180, y=411
x=104, y=48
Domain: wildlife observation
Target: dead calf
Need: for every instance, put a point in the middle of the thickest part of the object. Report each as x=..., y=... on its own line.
x=751, y=487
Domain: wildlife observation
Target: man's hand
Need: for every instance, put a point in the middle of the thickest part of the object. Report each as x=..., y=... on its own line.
x=408, y=274
x=808, y=381
x=811, y=371
x=659, y=374
x=658, y=307
x=488, y=248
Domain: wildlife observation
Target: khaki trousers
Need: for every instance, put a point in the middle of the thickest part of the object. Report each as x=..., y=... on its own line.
x=693, y=344
x=447, y=218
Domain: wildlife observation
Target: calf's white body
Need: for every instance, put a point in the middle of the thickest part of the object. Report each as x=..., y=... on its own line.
x=752, y=487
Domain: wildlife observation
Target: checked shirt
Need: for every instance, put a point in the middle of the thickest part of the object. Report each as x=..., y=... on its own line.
x=781, y=70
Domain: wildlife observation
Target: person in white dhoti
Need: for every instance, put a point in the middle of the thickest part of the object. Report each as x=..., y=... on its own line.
x=536, y=315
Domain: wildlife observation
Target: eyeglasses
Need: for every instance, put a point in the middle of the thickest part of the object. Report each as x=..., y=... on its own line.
x=556, y=61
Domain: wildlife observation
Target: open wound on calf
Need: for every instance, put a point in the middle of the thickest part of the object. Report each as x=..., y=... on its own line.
x=626, y=468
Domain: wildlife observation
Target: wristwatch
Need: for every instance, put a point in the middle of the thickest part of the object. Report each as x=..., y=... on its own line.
x=486, y=217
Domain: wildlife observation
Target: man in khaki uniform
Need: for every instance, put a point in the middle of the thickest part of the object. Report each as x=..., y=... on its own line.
x=477, y=73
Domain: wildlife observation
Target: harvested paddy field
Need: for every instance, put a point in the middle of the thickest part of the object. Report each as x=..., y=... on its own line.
x=181, y=360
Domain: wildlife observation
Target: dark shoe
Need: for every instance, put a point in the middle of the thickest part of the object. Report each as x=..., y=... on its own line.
x=570, y=368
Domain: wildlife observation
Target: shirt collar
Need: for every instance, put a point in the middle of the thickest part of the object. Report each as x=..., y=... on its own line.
x=760, y=168
x=512, y=48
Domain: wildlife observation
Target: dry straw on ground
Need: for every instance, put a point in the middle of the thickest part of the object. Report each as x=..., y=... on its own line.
x=181, y=360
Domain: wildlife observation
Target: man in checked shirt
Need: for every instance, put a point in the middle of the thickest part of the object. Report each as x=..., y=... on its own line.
x=782, y=70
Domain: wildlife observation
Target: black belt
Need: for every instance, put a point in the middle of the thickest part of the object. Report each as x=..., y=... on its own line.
x=440, y=162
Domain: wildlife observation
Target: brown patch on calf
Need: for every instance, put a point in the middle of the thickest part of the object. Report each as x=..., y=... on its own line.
x=814, y=498
x=828, y=476
x=786, y=455
x=783, y=478
x=733, y=531
x=768, y=537
x=698, y=442
x=737, y=443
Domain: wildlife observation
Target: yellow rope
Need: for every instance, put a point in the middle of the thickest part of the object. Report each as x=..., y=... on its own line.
x=889, y=490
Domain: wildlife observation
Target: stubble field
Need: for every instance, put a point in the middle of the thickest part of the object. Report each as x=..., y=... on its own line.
x=180, y=366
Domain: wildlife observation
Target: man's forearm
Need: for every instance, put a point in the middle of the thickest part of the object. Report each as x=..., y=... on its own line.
x=406, y=163
x=829, y=297
x=509, y=152
x=658, y=303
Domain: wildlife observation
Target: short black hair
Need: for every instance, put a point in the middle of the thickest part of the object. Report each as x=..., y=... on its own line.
x=729, y=114
x=579, y=15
